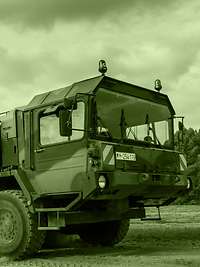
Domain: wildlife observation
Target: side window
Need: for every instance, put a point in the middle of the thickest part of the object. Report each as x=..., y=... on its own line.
x=49, y=127
x=49, y=130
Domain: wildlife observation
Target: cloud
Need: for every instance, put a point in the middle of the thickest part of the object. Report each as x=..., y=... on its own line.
x=48, y=44
x=44, y=13
x=139, y=43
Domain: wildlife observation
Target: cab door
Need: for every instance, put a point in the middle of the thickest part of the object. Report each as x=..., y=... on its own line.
x=59, y=162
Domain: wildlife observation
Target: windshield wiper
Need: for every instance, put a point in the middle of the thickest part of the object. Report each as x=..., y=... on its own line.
x=123, y=125
x=131, y=131
x=152, y=128
x=155, y=138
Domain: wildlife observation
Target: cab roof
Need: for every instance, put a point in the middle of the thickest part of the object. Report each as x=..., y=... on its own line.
x=90, y=86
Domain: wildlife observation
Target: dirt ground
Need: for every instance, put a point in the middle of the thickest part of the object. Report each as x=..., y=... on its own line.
x=173, y=241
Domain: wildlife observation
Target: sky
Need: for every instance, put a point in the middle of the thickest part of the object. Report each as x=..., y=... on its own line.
x=48, y=44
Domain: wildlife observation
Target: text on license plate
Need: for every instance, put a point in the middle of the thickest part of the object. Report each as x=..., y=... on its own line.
x=126, y=156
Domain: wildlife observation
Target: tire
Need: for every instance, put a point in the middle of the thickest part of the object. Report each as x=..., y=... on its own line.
x=19, y=236
x=105, y=233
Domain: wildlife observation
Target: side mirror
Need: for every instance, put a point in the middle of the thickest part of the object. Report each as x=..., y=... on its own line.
x=65, y=122
x=70, y=103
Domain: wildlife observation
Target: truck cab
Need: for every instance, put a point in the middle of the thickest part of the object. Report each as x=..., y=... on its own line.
x=86, y=159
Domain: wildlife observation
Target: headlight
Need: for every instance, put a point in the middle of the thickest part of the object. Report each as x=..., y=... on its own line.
x=102, y=182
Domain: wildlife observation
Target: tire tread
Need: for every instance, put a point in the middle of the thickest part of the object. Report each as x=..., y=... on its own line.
x=35, y=238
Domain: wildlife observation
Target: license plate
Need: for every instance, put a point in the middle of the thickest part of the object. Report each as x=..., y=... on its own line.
x=126, y=156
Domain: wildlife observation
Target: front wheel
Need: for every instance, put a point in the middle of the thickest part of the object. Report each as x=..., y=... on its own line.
x=105, y=233
x=19, y=236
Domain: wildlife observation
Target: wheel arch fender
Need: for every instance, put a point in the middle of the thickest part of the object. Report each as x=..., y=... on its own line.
x=16, y=179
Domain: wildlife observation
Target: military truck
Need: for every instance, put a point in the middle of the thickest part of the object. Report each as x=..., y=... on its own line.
x=86, y=159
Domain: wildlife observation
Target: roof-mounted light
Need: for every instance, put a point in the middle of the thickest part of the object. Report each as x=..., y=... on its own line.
x=158, y=85
x=102, y=66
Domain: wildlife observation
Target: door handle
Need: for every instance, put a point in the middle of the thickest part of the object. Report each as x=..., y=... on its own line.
x=39, y=150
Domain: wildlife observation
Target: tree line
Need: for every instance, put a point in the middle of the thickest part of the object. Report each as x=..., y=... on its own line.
x=190, y=146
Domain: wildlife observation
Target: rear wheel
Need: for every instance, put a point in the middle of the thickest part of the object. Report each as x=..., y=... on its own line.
x=105, y=233
x=19, y=236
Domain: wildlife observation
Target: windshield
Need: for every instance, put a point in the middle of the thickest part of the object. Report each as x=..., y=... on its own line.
x=127, y=117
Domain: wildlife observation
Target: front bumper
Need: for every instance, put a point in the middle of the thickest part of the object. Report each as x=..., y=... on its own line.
x=142, y=185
